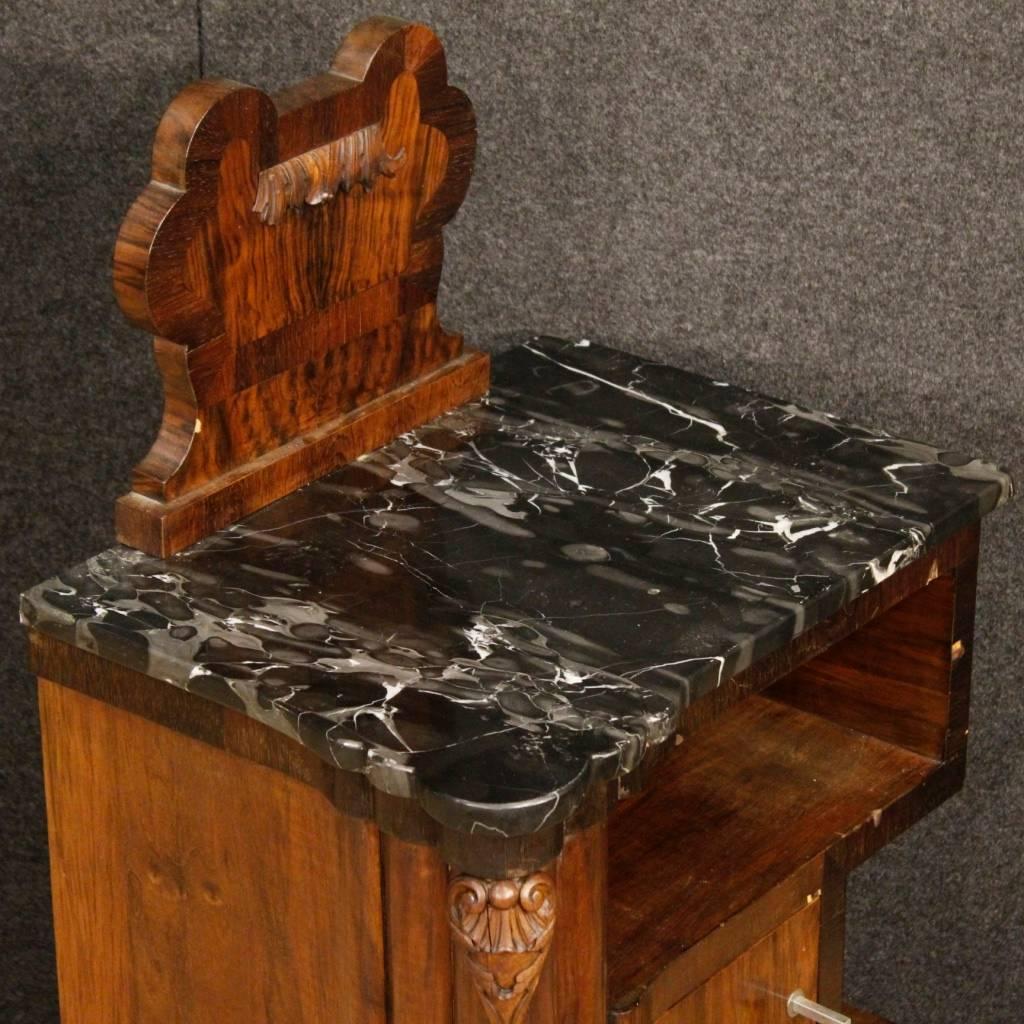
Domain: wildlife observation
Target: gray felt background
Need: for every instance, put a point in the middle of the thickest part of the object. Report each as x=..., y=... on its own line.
x=819, y=199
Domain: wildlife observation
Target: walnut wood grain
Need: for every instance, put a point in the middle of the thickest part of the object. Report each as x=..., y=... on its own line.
x=574, y=988
x=418, y=950
x=832, y=947
x=234, y=732
x=892, y=678
x=192, y=885
x=286, y=255
x=98, y=757
x=163, y=527
x=731, y=939
x=754, y=988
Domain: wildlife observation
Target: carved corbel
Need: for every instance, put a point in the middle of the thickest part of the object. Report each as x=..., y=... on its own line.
x=504, y=930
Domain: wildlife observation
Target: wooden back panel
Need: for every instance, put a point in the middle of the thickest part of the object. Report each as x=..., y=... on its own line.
x=287, y=254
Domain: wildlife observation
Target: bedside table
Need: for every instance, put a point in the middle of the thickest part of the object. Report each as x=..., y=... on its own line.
x=571, y=701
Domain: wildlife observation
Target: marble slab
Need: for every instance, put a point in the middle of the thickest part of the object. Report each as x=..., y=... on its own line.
x=496, y=611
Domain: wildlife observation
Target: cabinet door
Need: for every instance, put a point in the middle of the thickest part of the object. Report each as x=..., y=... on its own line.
x=754, y=988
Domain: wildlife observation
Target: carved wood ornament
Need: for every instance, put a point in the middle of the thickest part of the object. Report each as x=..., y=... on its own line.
x=286, y=255
x=504, y=928
x=316, y=176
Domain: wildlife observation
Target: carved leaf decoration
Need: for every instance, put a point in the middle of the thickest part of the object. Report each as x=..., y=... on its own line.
x=505, y=929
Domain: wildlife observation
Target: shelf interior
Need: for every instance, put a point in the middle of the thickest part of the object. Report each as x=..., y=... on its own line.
x=821, y=760
x=732, y=814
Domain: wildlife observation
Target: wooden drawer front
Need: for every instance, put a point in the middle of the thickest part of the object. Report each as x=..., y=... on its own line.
x=754, y=988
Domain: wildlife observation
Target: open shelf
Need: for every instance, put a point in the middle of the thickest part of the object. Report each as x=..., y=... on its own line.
x=837, y=756
x=736, y=811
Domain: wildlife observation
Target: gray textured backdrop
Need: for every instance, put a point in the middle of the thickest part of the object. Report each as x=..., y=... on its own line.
x=819, y=199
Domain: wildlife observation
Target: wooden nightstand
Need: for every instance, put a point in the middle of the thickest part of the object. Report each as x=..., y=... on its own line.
x=573, y=702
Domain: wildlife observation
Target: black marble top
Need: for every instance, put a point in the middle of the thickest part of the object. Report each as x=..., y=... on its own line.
x=493, y=612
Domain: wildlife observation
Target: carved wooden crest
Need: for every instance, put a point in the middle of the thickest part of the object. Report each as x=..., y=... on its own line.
x=287, y=255
x=505, y=928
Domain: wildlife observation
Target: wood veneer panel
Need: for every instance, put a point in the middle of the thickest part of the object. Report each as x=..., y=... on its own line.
x=233, y=731
x=191, y=886
x=754, y=989
x=286, y=256
x=164, y=527
x=962, y=651
x=575, y=983
x=419, y=954
x=736, y=811
x=891, y=679
x=195, y=717
x=832, y=948
x=731, y=939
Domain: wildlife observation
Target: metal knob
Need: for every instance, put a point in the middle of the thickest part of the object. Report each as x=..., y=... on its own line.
x=800, y=1006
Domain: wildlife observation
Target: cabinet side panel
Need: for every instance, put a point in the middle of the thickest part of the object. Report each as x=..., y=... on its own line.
x=191, y=886
x=91, y=916
x=832, y=949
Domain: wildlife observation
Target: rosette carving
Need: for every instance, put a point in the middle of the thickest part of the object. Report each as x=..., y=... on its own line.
x=504, y=928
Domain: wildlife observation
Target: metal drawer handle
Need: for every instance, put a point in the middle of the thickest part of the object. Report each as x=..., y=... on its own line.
x=800, y=1006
